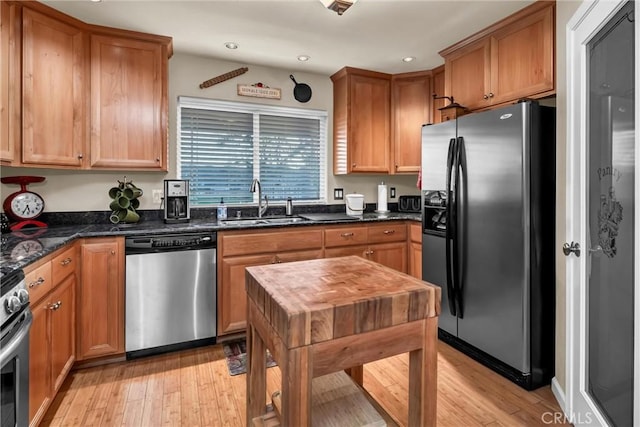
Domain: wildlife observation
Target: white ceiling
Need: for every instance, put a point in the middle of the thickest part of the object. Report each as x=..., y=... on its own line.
x=372, y=34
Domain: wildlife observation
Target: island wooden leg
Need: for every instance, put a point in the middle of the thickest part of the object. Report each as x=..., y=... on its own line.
x=256, y=374
x=356, y=373
x=296, y=388
x=423, y=381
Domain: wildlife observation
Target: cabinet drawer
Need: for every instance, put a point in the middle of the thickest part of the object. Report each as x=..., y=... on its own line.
x=345, y=236
x=64, y=264
x=392, y=232
x=269, y=242
x=39, y=282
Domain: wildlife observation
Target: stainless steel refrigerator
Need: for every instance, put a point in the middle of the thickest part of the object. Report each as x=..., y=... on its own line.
x=488, y=182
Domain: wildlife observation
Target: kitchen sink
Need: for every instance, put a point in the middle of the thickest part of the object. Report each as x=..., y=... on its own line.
x=263, y=220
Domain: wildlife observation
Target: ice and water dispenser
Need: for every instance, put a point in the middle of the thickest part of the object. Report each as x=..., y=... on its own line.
x=434, y=218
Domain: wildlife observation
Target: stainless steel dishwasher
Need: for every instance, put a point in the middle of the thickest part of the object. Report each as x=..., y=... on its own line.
x=170, y=292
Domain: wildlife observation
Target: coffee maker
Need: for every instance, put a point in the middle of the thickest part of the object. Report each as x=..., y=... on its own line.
x=176, y=200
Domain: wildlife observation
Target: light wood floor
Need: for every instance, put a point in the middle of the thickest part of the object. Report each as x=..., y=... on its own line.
x=193, y=388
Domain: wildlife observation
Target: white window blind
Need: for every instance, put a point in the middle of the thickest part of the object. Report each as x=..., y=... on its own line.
x=223, y=146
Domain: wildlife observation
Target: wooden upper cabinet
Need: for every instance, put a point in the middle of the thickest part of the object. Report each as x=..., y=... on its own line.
x=411, y=108
x=361, y=121
x=437, y=78
x=54, y=91
x=6, y=144
x=128, y=103
x=522, y=57
x=468, y=75
x=510, y=60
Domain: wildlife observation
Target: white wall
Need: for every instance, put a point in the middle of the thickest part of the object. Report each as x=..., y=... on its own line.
x=65, y=190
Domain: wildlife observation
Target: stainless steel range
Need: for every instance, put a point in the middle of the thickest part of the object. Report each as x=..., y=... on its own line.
x=14, y=349
x=170, y=292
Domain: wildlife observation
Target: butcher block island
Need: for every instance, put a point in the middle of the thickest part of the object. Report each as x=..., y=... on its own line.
x=322, y=316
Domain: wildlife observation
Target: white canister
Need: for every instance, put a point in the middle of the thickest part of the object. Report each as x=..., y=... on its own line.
x=355, y=204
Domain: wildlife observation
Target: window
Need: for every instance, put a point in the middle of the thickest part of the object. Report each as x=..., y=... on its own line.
x=224, y=145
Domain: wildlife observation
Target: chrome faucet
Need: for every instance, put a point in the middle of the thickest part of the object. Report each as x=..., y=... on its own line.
x=261, y=209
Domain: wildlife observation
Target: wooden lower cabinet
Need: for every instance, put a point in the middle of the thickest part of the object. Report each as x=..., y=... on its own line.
x=415, y=250
x=101, y=298
x=52, y=346
x=39, y=363
x=238, y=250
x=393, y=255
x=232, y=297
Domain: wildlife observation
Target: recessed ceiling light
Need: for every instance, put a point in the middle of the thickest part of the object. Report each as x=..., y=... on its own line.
x=303, y=58
x=408, y=58
x=231, y=45
x=96, y=1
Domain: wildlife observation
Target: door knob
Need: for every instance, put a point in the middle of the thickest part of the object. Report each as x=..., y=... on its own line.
x=574, y=247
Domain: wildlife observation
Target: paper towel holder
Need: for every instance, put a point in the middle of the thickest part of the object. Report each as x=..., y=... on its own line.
x=382, y=199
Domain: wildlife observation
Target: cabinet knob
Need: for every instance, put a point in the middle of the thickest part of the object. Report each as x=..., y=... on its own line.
x=490, y=94
x=353, y=165
x=113, y=252
x=158, y=159
x=80, y=156
x=65, y=261
x=346, y=234
x=389, y=231
x=485, y=96
x=55, y=306
x=38, y=282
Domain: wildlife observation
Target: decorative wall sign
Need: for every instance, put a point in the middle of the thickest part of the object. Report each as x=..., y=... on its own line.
x=259, y=90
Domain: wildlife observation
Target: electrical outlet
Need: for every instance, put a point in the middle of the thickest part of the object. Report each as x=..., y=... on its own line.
x=392, y=192
x=157, y=196
x=338, y=194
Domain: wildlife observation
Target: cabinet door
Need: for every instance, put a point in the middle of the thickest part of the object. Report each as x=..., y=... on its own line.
x=6, y=145
x=415, y=250
x=522, y=57
x=415, y=259
x=468, y=75
x=392, y=255
x=101, y=309
x=63, y=348
x=369, y=135
x=53, y=91
x=411, y=109
x=437, y=78
x=128, y=104
x=39, y=362
x=232, y=297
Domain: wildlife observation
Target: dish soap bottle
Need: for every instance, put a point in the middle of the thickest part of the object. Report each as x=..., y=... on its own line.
x=222, y=210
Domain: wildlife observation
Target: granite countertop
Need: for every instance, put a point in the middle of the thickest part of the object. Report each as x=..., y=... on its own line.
x=23, y=247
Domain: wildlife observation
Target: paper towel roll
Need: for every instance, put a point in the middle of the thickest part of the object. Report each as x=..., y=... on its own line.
x=382, y=198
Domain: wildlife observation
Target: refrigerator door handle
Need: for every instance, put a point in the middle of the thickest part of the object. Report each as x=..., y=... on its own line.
x=460, y=169
x=449, y=230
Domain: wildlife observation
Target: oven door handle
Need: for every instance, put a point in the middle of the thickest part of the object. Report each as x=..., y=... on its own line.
x=9, y=350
